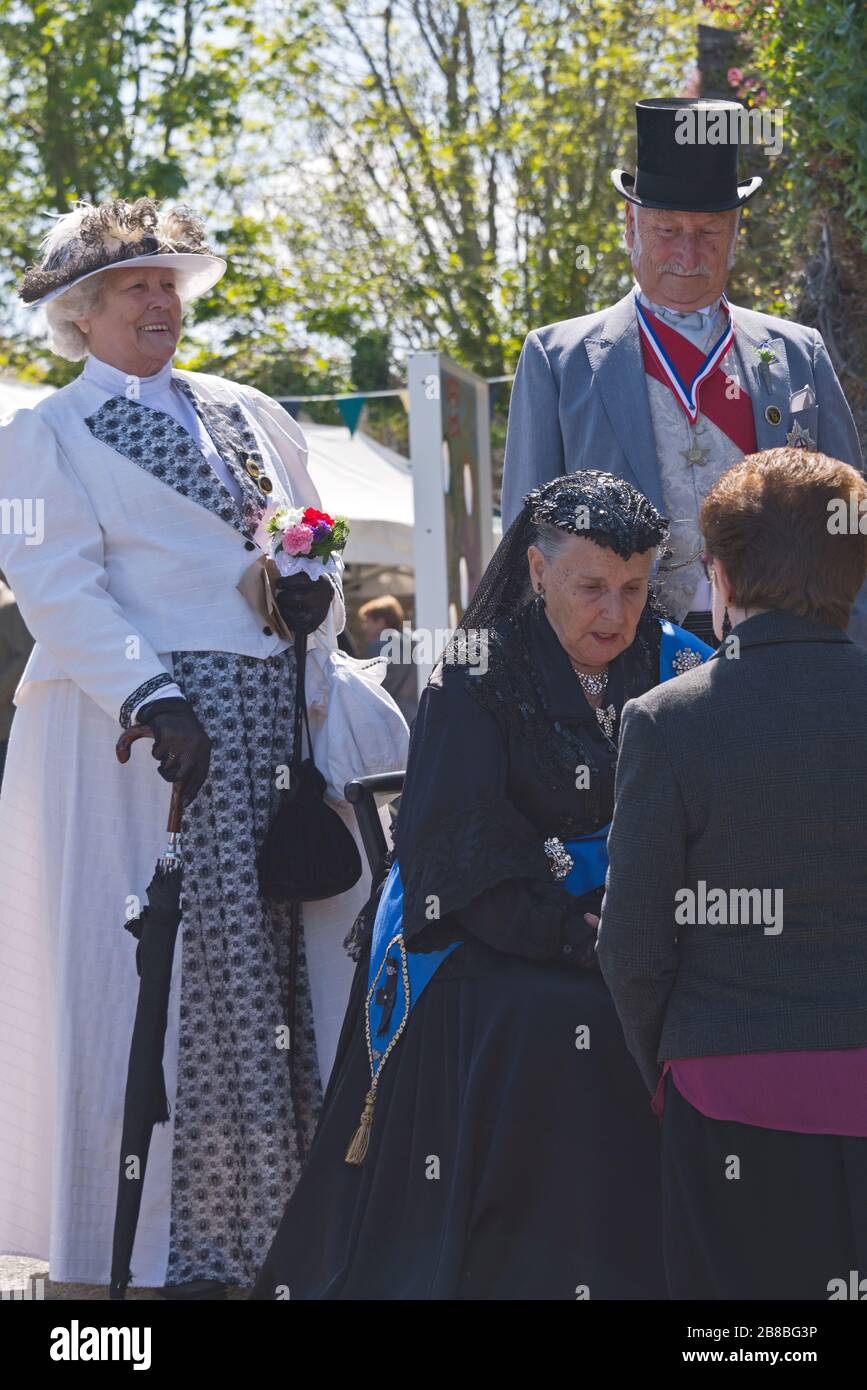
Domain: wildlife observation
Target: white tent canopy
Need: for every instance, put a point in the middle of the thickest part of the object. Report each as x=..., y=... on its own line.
x=17, y=394
x=368, y=484
x=356, y=477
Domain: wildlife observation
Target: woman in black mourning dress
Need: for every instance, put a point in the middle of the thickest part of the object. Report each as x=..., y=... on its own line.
x=512, y=1153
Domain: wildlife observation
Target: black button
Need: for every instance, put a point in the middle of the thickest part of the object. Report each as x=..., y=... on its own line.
x=265, y=485
x=567, y=950
x=269, y=632
x=249, y=545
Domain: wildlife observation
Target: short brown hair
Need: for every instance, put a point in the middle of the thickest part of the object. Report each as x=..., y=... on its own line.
x=387, y=608
x=767, y=518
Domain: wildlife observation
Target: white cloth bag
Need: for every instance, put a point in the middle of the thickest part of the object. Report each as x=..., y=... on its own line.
x=357, y=730
x=356, y=727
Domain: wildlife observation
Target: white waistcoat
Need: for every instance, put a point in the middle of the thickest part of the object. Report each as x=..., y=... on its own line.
x=685, y=486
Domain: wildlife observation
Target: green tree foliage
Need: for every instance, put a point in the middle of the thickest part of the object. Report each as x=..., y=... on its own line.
x=807, y=59
x=111, y=98
x=453, y=185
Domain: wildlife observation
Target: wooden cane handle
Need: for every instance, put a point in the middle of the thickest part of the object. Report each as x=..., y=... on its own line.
x=128, y=738
x=122, y=750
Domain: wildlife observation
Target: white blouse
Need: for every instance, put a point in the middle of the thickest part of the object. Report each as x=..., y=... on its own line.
x=160, y=393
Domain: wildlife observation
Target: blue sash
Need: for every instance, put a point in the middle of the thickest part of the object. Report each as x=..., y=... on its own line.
x=397, y=977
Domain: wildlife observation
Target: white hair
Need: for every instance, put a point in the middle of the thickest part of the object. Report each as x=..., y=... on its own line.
x=65, y=338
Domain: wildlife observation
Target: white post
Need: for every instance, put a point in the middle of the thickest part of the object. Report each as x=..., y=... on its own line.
x=429, y=528
x=434, y=473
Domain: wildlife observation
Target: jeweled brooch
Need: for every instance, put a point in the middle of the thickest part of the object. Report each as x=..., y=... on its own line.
x=685, y=660
x=561, y=860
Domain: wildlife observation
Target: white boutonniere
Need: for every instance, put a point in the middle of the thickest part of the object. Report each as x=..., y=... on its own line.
x=767, y=357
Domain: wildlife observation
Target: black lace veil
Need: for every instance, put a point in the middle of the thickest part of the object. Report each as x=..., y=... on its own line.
x=597, y=505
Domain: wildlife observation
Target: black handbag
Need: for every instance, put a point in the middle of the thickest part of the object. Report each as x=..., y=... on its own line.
x=308, y=853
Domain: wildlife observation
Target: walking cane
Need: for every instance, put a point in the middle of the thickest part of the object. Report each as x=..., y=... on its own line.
x=145, y=1099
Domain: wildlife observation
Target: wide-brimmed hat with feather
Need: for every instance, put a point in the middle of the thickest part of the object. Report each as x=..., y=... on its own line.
x=92, y=238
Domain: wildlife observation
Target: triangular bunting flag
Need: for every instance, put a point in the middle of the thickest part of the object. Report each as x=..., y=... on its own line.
x=351, y=411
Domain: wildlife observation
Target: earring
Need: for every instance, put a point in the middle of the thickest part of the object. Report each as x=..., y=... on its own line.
x=541, y=592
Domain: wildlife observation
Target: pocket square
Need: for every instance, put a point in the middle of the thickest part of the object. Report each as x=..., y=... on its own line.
x=804, y=399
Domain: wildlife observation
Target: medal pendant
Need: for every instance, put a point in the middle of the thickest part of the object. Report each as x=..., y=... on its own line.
x=695, y=455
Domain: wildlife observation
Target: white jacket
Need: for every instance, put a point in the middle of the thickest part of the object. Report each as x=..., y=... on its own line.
x=118, y=569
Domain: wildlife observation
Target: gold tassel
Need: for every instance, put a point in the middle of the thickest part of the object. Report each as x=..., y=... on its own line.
x=357, y=1151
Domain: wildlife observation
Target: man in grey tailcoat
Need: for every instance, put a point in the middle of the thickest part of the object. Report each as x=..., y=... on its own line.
x=672, y=385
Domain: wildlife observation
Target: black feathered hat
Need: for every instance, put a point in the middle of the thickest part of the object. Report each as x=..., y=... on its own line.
x=89, y=239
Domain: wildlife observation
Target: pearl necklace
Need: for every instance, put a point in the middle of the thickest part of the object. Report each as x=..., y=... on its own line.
x=594, y=688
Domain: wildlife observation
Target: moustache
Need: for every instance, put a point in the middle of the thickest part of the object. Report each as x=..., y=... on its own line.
x=675, y=268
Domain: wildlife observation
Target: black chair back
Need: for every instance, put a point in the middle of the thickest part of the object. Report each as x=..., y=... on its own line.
x=361, y=795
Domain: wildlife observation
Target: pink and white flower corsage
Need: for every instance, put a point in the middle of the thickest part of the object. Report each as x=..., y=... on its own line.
x=306, y=540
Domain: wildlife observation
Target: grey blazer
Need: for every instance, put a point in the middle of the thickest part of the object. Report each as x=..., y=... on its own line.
x=579, y=400
x=742, y=774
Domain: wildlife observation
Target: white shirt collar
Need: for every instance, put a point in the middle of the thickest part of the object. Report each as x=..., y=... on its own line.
x=672, y=314
x=115, y=381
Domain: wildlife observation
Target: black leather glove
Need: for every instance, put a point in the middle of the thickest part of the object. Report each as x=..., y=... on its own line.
x=579, y=938
x=303, y=602
x=181, y=745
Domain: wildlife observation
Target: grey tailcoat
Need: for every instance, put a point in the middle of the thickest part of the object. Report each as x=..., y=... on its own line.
x=579, y=400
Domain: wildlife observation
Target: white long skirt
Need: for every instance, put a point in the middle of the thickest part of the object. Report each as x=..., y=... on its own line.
x=79, y=838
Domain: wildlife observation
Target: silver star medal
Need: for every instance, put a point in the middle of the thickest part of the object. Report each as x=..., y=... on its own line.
x=695, y=455
x=800, y=438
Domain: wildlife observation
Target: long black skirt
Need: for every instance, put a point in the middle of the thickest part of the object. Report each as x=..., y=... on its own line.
x=507, y=1159
x=789, y=1224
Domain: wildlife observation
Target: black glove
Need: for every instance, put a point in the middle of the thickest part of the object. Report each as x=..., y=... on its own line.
x=579, y=938
x=181, y=745
x=303, y=602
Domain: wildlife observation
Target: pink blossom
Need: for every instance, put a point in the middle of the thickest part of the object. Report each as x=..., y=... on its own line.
x=297, y=540
x=734, y=75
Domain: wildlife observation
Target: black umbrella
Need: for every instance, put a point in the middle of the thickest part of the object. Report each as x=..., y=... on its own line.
x=145, y=1102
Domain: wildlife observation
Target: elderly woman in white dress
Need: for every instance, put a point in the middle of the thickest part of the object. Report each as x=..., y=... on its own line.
x=136, y=498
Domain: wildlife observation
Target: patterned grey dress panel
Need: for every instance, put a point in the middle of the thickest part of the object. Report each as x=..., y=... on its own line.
x=241, y=1129
x=236, y=444
x=157, y=443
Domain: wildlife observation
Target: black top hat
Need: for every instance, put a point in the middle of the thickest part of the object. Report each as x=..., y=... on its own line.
x=687, y=156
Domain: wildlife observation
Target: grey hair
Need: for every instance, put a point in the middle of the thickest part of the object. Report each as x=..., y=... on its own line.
x=551, y=540
x=65, y=338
